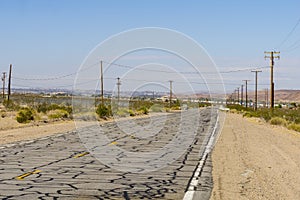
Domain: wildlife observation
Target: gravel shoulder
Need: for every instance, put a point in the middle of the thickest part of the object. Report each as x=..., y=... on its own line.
x=255, y=160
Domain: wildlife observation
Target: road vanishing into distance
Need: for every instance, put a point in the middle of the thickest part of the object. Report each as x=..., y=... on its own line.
x=62, y=167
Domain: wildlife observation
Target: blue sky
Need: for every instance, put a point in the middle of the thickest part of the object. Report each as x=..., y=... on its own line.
x=52, y=38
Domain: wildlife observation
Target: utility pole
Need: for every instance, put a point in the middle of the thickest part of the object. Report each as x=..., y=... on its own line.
x=9, y=82
x=234, y=96
x=246, y=84
x=256, y=71
x=242, y=88
x=171, y=93
x=101, y=78
x=3, y=80
x=238, y=95
x=118, y=84
x=267, y=97
x=271, y=56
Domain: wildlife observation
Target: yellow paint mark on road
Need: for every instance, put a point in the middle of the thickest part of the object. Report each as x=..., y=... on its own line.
x=28, y=174
x=81, y=154
x=113, y=143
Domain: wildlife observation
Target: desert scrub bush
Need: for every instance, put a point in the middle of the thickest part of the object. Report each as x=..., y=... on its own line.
x=3, y=114
x=58, y=114
x=103, y=111
x=203, y=104
x=88, y=116
x=250, y=114
x=131, y=113
x=144, y=110
x=44, y=108
x=157, y=108
x=175, y=108
x=293, y=126
x=25, y=115
x=11, y=105
x=138, y=104
x=122, y=112
x=278, y=121
x=233, y=110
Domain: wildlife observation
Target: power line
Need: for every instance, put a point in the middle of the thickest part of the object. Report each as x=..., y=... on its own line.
x=60, y=86
x=55, y=77
x=182, y=72
x=289, y=34
x=129, y=67
x=293, y=47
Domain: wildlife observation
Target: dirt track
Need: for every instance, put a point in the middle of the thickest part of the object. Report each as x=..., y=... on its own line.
x=254, y=160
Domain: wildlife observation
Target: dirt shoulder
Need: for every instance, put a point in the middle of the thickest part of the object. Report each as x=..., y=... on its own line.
x=255, y=160
x=35, y=131
x=11, y=131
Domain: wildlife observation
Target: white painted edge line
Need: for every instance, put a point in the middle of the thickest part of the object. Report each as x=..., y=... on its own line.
x=189, y=195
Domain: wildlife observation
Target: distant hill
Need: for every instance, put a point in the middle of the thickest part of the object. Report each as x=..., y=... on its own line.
x=287, y=95
x=280, y=95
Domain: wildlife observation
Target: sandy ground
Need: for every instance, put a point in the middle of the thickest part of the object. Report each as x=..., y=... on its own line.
x=255, y=160
x=11, y=131
x=29, y=132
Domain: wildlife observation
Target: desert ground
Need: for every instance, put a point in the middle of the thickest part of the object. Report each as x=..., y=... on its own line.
x=255, y=160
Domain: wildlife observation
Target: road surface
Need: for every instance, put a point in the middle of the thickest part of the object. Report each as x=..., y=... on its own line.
x=61, y=167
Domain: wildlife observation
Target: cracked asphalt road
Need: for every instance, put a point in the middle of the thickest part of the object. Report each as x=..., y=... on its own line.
x=60, y=167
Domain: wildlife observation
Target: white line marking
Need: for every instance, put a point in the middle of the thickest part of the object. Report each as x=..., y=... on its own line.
x=189, y=195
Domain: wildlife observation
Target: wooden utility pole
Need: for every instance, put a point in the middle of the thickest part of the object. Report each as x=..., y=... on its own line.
x=101, y=78
x=9, y=82
x=256, y=71
x=118, y=84
x=238, y=95
x=267, y=97
x=271, y=56
x=171, y=93
x=246, y=84
x=234, y=96
x=242, y=88
x=3, y=81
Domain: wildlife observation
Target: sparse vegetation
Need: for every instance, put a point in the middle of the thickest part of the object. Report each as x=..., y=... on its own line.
x=44, y=108
x=25, y=115
x=58, y=114
x=11, y=105
x=289, y=118
x=203, y=104
x=144, y=110
x=175, y=107
x=293, y=126
x=3, y=114
x=131, y=113
x=103, y=111
x=278, y=121
x=122, y=112
x=157, y=108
